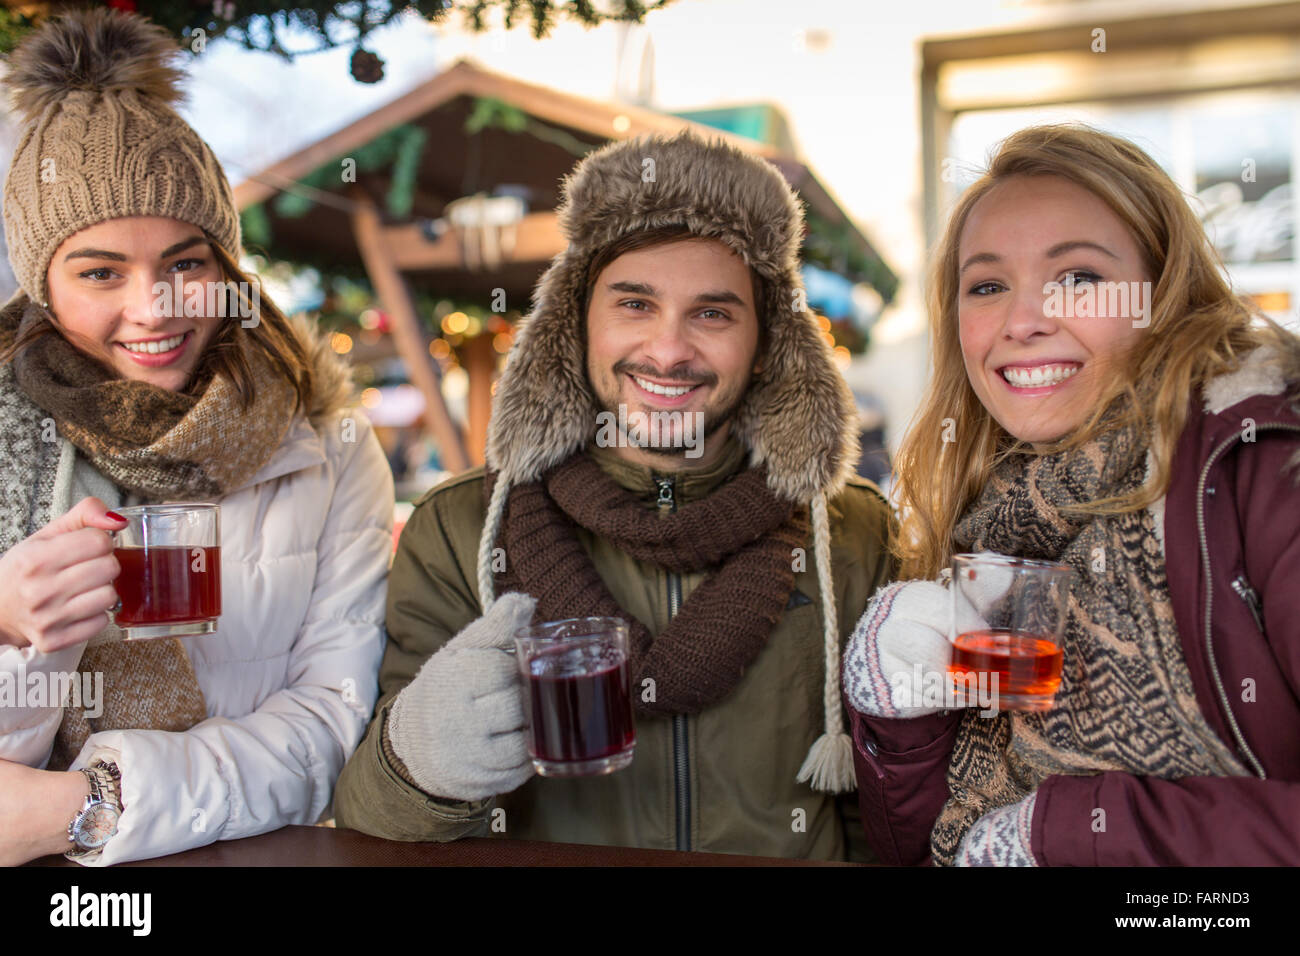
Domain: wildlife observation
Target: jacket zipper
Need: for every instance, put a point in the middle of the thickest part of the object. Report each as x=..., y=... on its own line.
x=1209, y=595
x=1241, y=585
x=681, y=744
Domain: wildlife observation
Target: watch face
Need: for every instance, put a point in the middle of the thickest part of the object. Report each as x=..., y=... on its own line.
x=99, y=823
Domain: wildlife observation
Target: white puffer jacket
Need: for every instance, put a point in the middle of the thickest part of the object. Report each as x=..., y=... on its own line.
x=290, y=676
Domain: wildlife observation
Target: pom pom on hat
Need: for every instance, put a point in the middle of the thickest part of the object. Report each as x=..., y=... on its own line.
x=97, y=49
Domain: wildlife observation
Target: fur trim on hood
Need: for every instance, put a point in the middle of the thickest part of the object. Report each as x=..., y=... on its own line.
x=798, y=417
x=1263, y=371
x=332, y=386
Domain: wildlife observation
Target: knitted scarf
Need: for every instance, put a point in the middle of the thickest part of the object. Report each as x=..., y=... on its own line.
x=1126, y=700
x=148, y=440
x=157, y=444
x=742, y=533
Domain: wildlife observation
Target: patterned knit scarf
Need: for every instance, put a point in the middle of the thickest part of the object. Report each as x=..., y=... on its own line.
x=158, y=444
x=1126, y=700
x=742, y=533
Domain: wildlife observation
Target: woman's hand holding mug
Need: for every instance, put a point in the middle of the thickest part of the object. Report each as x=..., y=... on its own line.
x=56, y=586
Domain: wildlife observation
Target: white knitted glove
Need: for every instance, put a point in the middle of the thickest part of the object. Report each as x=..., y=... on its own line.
x=1000, y=837
x=459, y=726
x=897, y=661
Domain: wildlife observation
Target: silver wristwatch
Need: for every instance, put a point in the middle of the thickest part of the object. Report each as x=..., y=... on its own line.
x=92, y=827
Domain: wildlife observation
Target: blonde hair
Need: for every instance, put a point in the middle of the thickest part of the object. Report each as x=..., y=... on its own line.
x=1198, y=330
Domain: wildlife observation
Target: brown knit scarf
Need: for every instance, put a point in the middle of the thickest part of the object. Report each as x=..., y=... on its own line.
x=160, y=445
x=154, y=442
x=1126, y=700
x=742, y=533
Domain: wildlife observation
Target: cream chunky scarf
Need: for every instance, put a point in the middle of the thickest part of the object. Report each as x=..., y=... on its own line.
x=1126, y=700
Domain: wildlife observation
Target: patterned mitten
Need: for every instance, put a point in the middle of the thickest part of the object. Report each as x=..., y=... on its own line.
x=1000, y=837
x=900, y=643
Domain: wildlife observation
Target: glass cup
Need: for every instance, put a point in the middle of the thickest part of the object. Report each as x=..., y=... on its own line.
x=1008, y=615
x=578, y=696
x=170, y=585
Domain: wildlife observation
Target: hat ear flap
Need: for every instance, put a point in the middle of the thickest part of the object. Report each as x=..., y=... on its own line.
x=798, y=417
x=543, y=410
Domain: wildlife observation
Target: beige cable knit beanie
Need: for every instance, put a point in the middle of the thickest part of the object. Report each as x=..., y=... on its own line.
x=95, y=91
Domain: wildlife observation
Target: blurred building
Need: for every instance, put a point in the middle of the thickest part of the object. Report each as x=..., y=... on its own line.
x=1210, y=93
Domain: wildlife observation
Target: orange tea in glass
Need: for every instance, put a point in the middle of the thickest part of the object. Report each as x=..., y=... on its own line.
x=1008, y=619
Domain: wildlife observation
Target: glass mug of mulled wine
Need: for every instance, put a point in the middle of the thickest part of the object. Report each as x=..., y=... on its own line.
x=1008, y=617
x=577, y=695
x=170, y=584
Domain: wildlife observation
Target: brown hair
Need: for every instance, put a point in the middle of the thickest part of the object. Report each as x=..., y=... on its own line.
x=1199, y=329
x=271, y=335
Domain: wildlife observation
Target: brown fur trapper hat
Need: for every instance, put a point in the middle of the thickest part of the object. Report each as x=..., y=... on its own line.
x=797, y=418
x=798, y=415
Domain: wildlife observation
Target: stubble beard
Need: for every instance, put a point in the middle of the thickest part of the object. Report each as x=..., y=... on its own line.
x=714, y=421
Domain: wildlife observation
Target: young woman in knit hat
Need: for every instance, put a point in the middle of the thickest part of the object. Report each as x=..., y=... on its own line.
x=1154, y=450
x=109, y=397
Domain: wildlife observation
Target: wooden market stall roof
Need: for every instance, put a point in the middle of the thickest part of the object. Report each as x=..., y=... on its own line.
x=561, y=127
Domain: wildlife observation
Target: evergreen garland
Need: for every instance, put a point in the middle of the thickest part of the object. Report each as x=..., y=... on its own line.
x=259, y=24
x=397, y=150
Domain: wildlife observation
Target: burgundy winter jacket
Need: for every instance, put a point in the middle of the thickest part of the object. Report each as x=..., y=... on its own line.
x=1232, y=555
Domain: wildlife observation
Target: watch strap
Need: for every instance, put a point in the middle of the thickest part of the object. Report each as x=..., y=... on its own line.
x=105, y=788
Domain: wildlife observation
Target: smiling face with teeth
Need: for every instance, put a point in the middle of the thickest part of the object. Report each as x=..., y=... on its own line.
x=101, y=283
x=673, y=327
x=1038, y=375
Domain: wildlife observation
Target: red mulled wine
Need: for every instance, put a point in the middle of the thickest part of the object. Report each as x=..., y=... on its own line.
x=580, y=705
x=167, y=584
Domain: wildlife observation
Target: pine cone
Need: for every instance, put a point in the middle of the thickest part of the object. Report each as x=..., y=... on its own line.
x=366, y=67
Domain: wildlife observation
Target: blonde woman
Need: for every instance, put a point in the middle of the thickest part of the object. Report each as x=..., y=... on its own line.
x=115, y=390
x=1100, y=398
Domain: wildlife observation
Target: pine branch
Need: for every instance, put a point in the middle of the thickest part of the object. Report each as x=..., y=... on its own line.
x=256, y=24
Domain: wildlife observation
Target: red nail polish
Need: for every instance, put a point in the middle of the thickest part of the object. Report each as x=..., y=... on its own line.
x=115, y=516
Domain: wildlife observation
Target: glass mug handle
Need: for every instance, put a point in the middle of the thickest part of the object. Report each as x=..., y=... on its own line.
x=112, y=612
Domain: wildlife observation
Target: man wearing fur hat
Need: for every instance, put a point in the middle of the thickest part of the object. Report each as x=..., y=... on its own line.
x=733, y=538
